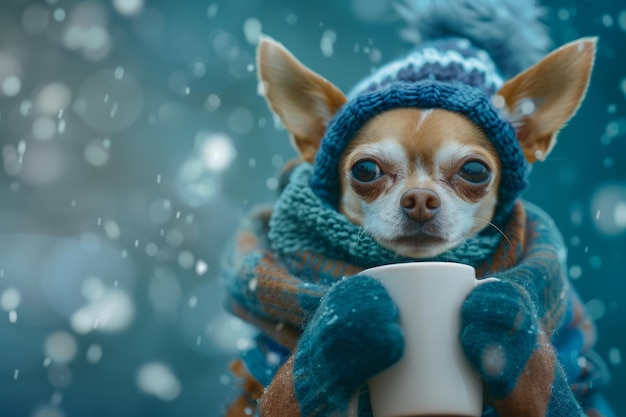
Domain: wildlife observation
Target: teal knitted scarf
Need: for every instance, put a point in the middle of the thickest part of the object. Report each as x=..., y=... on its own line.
x=302, y=222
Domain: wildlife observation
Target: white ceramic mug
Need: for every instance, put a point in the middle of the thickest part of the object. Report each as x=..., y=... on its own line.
x=433, y=377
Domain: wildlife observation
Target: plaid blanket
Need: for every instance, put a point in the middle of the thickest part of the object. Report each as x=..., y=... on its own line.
x=286, y=257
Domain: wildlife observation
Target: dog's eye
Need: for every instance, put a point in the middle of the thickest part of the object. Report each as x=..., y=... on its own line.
x=475, y=172
x=366, y=171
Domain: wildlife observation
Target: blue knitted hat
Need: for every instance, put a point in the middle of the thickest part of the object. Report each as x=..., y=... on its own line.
x=449, y=74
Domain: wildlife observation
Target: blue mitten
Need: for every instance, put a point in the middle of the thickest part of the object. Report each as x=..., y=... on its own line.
x=503, y=340
x=498, y=334
x=354, y=335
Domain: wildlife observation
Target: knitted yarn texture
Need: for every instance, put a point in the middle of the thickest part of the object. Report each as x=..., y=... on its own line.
x=302, y=222
x=284, y=281
x=356, y=315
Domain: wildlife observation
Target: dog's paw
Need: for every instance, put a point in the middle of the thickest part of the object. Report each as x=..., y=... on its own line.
x=354, y=335
x=499, y=333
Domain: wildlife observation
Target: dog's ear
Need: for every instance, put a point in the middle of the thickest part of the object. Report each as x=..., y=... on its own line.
x=304, y=101
x=540, y=100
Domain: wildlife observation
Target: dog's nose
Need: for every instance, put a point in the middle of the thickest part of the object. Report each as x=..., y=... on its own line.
x=420, y=204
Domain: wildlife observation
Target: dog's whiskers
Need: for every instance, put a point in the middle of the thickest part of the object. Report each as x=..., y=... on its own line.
x=498, y=230
x=360, y=234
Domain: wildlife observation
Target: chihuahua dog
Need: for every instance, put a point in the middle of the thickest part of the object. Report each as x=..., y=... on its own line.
x=424, y=160
x=422, y=181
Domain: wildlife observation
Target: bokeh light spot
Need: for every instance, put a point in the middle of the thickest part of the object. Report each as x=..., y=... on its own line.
x=112, y=229
x=157, y=379
x=252, y=29
x=218, y=151
x=186, y=259
x=212, y=10
x=128, y=7
x=272, y=183
x=95, y=154
x=174, y=237
x=44, y=128
x=615, y=356
x=575, y=272
x=619, y=215
x=10, y=68
x=10, y=299
x=152, y=249
x=327, y=42
x=111, y=313
x=596, y=308
x=59, y=376
x=621, y=20
x=59, y=14
x=94, y=353
x=52, y=98
x=201, y=267
x=212, y=102
x=610, y=201
x=61, y=347
x=11, y=86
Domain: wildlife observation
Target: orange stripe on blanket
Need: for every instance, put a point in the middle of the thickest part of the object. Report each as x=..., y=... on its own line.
x=285, y=334
x=531, y=394
x=280, y=397
x=279, y=292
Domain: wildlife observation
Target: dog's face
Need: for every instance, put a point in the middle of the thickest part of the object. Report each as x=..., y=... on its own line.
x=421, y=181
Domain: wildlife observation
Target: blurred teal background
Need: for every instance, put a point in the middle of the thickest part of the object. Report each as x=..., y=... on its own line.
x=133, y=140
